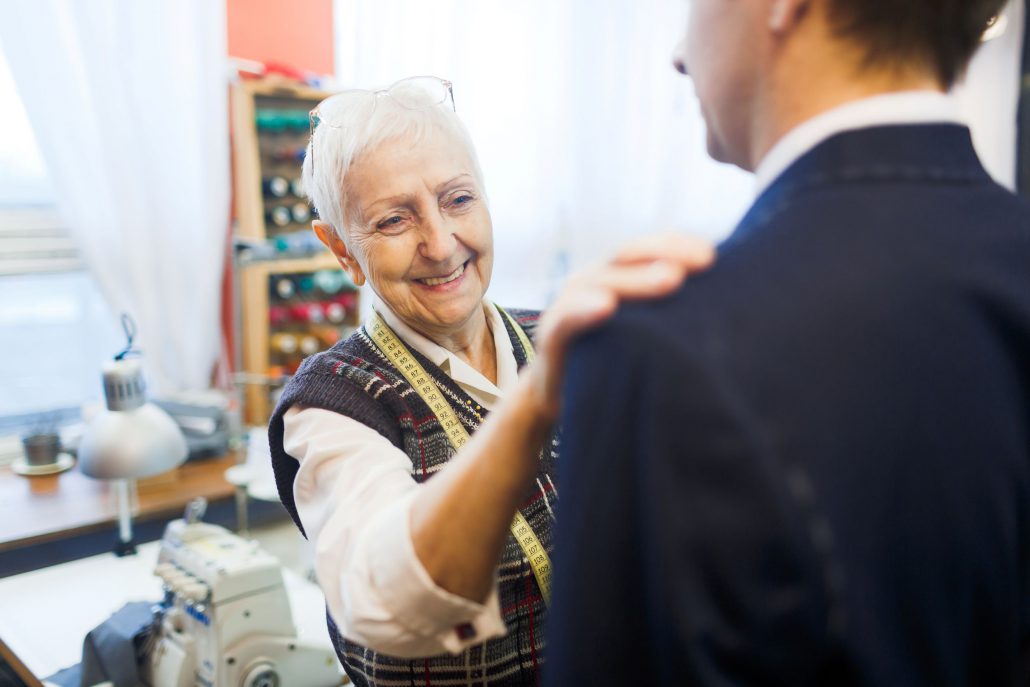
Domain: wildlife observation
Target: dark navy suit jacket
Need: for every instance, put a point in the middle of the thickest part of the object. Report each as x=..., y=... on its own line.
x=811, y=465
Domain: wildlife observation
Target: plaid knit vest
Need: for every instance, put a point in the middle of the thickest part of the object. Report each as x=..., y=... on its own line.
x=353, y=378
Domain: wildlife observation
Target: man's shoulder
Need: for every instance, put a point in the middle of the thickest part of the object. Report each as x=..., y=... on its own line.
x=645, y=336
x=836, y=261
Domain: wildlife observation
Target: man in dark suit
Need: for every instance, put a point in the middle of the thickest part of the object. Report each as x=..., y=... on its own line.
x=811, y=465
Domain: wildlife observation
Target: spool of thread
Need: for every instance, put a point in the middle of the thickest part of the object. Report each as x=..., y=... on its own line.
x=298, y=120
x=284, y=343
x=284, y=288
x=278, y=316
x=307, y=312
x=288, y=154
x=348, y=299
x=271, y=121
x=303, y=241
x=279, y=216
x=328, y=335
x=309, y=345
x=276, y=187
x=335, y=313
x=330, y=281
x=300, y=213
x=297, y=185
x=316, y=313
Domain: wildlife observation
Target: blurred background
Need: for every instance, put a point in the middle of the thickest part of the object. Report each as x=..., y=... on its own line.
x=149, y=156
x=150, y=204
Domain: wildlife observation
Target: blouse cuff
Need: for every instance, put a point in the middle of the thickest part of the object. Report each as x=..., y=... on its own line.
x=410, y=594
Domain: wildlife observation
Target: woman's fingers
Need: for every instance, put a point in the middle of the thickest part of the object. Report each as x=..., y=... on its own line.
x=592, y=297
x=650, y=267
x=690, y=251
x=631, y=281
x=575, y=311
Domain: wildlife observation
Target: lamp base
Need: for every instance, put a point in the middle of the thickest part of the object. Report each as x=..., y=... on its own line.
x=126, y=545
x=125, y=548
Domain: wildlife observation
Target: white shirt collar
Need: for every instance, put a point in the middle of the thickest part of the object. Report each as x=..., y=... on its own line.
x=908, y=107
x=457, y=369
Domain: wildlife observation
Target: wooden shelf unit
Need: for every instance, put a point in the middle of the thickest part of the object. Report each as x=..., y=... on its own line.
x=247, y=98
x=259, y=153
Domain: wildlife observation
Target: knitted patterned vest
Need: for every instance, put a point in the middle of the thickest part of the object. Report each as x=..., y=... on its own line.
x=353, y=378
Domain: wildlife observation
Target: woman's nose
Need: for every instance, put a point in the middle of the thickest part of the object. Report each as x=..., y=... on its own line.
x=438, y=241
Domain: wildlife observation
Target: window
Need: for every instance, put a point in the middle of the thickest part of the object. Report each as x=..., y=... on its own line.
x=55, y=329
x=23, y=178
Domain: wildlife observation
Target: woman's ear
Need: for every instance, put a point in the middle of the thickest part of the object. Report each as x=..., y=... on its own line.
x=327, y=235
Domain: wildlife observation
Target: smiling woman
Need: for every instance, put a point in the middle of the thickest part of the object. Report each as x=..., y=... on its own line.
x=448, y=577
x=421, y=233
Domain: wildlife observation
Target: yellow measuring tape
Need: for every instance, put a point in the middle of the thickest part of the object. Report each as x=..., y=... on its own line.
x=402, y=359
x=523, y=339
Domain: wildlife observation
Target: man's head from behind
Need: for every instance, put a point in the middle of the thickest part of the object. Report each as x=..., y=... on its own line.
x=761, y=67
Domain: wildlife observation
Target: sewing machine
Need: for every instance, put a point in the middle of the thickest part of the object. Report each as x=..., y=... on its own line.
x=225, y=620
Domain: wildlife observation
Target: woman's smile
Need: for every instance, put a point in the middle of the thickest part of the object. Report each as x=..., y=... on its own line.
x=446, y=282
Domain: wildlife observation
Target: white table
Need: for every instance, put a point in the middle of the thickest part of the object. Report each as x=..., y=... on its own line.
x=45, y=614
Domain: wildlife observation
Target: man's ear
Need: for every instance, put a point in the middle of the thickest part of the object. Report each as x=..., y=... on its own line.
x=785, y=14
x=327, y=235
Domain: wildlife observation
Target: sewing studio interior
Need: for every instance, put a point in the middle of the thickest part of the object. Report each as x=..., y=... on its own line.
x=401, y=343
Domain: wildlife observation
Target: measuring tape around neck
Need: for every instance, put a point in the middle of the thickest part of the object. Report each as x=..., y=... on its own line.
x=405, y=363
x=523, y=339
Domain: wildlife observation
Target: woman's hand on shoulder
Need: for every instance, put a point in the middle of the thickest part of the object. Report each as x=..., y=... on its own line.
x=649, y=267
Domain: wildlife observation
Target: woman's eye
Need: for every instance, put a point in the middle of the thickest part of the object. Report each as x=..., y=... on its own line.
x=462, y=199
x=390, y=222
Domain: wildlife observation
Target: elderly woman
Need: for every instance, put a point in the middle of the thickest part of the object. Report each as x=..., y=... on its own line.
x=444, y=579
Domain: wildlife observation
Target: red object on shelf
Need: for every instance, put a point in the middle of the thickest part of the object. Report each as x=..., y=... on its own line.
x=278, y=316
x=307, y=312
x=348, y=299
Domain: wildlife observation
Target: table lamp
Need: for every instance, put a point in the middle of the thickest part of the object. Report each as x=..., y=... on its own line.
x=131, y=438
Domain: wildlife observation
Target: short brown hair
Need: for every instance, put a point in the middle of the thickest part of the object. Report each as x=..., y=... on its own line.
x=941, y=34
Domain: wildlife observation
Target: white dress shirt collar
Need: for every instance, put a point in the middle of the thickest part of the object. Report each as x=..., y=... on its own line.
x=908, y=107
x=457, y=369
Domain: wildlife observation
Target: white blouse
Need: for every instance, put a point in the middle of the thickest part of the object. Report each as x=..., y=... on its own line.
x=354, y=492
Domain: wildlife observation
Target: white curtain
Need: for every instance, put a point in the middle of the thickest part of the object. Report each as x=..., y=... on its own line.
x=128, y=104
x=586, y=134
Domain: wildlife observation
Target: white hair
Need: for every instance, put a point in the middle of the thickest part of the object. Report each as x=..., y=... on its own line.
x=357, y=121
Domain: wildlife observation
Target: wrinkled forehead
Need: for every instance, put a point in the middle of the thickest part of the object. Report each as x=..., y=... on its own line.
x=406, y=165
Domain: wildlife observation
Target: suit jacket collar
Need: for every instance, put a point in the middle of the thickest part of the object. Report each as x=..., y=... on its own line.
x=927, y=153
x=885, y=109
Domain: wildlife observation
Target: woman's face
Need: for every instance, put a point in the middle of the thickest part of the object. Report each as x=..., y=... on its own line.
x=419, y=230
